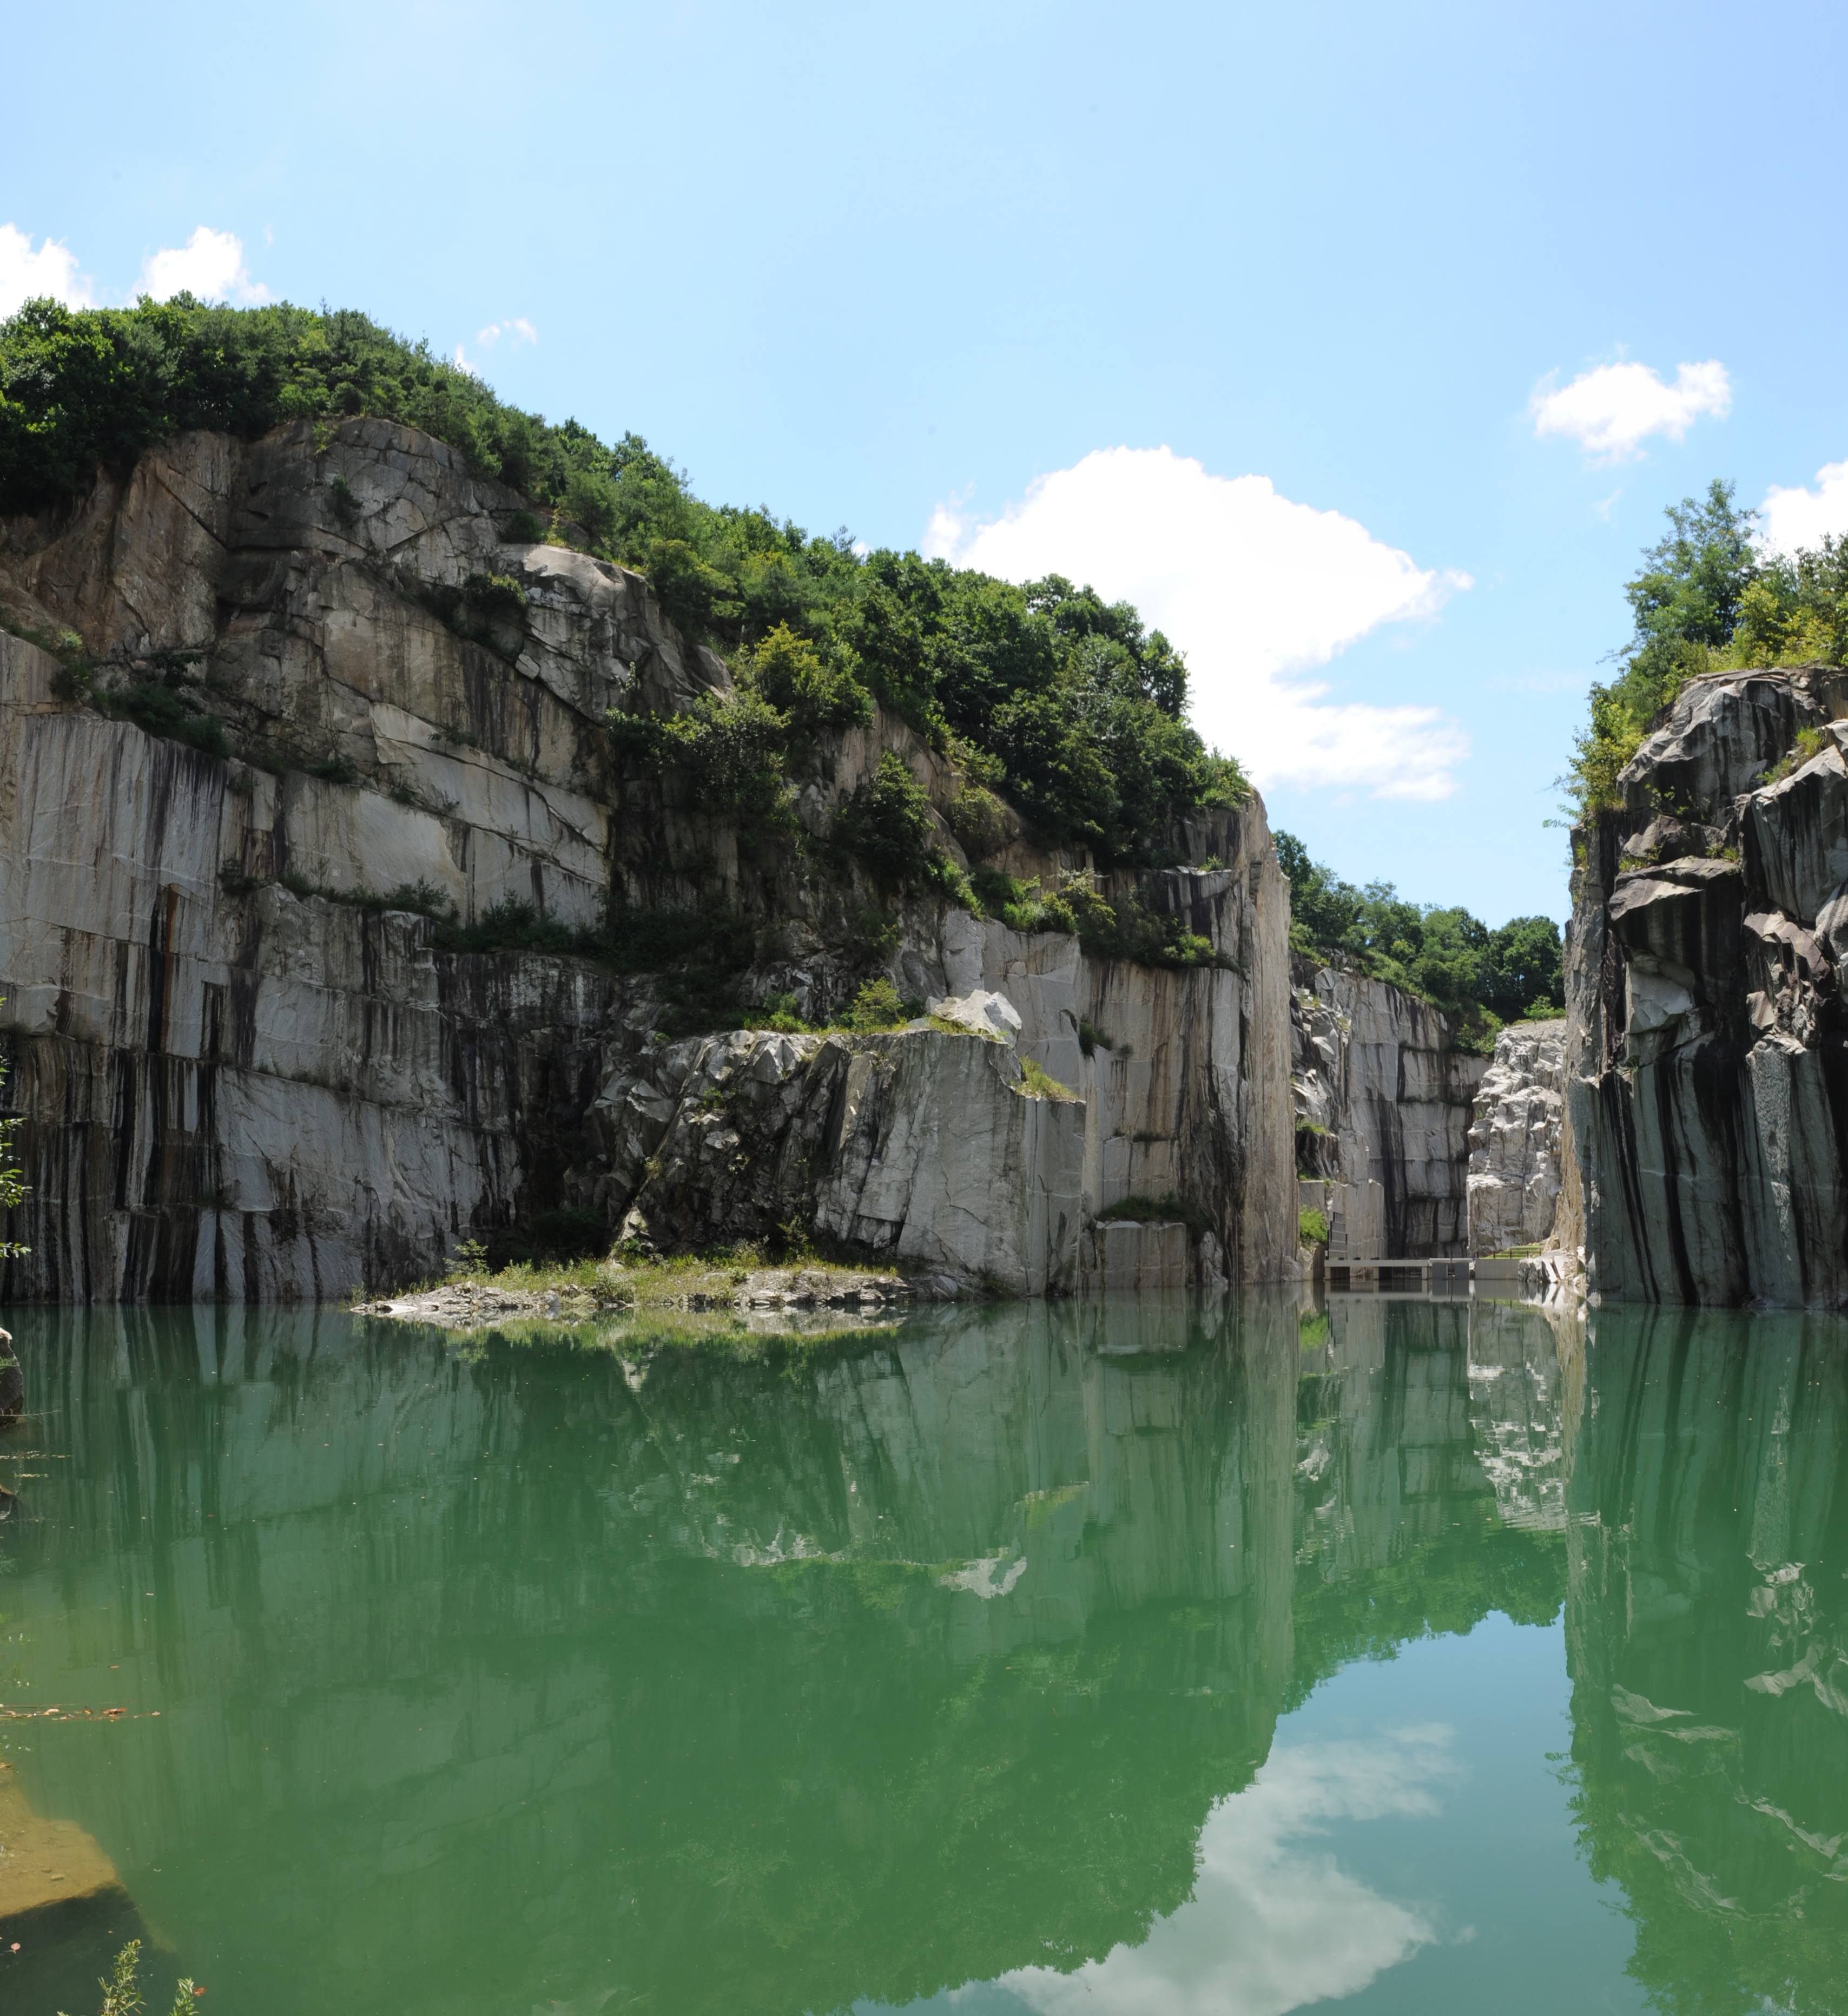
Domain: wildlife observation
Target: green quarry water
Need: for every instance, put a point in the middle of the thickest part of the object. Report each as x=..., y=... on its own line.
x=1415, y=1657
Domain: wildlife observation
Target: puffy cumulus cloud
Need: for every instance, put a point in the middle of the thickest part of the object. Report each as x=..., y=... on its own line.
x=26, y=275
x=1273, y=1924
x=210, y=264
x=1611, y=411
x=517, y=330
x=1796, y=517
x=1253, y=588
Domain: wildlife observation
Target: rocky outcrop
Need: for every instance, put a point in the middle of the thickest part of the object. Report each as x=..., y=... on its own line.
x=269, y=712
x=1707, y=1077
x=1382, y=1105
x=1514, y=1142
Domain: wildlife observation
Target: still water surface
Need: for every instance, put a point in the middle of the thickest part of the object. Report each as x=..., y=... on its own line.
x=1415, y=1657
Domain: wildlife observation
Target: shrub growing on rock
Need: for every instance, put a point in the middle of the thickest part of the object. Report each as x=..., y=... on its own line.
x=1065, y=702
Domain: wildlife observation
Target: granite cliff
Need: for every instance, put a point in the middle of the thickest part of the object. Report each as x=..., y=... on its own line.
x=308, y=796
x=1514, y=1140
x=1382, y=1106
x=1706, y=1069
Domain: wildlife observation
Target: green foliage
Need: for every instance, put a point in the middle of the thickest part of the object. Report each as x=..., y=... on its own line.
x=1444, y=955
x=1122, y=926
x=498, y=597
x=156, y=707
x=1708, y=597
x=731, y=746
x=1809, y=742
x=1064, y=701
x=886, y=826
x=814, y=694
x=874, y=1009
x=1685, y=603
x=121, y=1991
x=1037, y=1082
x=1168, y=1210
x=1312, y=1227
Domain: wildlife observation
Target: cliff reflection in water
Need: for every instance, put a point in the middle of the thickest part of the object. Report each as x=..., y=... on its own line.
x=1705, y=1621
x=498, y=1677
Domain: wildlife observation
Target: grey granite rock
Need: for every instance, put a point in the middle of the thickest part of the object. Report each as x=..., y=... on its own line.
x=1706, y=1069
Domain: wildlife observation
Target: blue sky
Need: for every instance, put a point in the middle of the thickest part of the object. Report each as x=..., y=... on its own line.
x=917, y=272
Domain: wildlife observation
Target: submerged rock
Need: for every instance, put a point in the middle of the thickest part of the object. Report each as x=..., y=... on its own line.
x=13, y=1381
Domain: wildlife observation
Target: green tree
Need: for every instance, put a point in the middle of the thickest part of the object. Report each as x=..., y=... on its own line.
x=1445, y=955
x=1047, y=692
x=1707, y=598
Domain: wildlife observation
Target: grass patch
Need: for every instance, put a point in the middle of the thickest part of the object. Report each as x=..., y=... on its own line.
x=1036, y=1081
x=157, y=710
x=1169, y=1210
x=664, y=1281
x=1809, y=742
x=1312, y=1227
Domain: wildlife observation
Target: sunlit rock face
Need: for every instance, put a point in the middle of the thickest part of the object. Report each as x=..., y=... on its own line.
x=1382, y=1105
x=1515, y=1140
x=1707, y=1079
x=240, y=1082
x=1707, y=1634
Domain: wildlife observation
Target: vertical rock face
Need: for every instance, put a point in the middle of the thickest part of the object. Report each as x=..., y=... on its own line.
x=1707, y=1078
x=248, y=1068
x=1514, y=1142
x=1382, y=1109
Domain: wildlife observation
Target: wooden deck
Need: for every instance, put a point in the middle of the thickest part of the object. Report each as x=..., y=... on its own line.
x=1455, y=1276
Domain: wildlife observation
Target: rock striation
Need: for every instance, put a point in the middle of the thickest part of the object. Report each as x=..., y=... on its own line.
x=1707, y=1078
x=1382, y=1105
x=1514, y=1141
x=270, y=712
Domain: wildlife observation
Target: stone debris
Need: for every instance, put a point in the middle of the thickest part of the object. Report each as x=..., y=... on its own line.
x=993, y=1016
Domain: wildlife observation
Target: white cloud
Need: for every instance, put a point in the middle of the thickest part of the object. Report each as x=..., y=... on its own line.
x=210, y=264
x=25, y=275
x=1271, y=1925
x=517, y=328
x=1611, y=411
x=1799, y=517
x=1253, y=587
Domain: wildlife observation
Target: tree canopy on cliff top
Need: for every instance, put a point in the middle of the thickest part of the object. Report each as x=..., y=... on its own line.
x=1708, y=597
x=1451, y=958
x=1061, y=699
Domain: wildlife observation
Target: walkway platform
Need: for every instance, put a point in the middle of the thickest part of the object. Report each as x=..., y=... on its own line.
x=1453, y=1277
